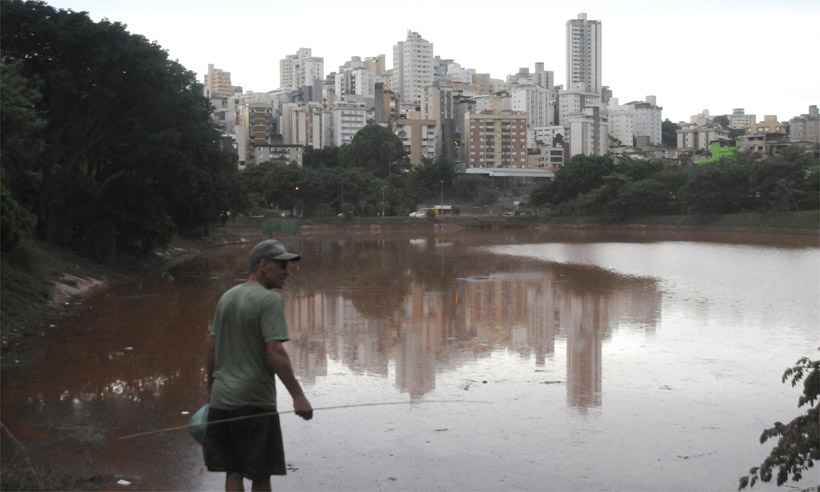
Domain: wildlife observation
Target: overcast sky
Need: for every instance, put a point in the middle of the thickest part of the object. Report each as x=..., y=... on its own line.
x=761, y=55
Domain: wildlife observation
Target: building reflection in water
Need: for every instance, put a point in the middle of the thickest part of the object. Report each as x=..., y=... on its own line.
x=443, y=319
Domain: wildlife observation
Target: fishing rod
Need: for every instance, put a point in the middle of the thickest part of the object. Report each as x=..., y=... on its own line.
x=274, y=412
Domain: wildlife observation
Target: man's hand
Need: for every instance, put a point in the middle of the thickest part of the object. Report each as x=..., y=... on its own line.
x=302, y=408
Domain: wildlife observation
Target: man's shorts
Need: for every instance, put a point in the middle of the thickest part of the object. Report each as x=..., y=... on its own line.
x=251, y=446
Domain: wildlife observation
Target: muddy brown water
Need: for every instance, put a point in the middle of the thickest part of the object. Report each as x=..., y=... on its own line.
x=584, y=361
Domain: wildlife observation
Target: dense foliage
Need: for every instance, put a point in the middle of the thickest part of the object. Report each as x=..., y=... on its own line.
x=107, y=141
x=600, y=186
x=798, y=442
x=369, y=177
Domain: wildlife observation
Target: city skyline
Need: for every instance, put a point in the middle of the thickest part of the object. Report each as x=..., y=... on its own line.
x=692, y=57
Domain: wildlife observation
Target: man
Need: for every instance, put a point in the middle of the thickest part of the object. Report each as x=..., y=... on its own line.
x=246, y=351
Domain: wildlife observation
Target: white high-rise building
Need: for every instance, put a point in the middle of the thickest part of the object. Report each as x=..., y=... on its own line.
x=536, y=102
x=632, y=121
x=301, y=69
x=347, y=120
x=412, y=68
x=584, y=53
x=301, y=124
x=588, y=132
x=358, y=78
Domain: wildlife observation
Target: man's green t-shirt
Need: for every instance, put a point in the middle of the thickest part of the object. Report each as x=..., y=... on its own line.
x=247, y=317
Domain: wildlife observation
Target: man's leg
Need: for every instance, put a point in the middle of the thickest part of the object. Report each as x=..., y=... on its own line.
x=261, y=485
x=233, y=482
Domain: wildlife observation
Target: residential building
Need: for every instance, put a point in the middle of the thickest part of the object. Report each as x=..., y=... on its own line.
x=500, y=101
x=698, y=137
x=574, y=100
x=301, y=124
x=279, y=152
x=217, y=83
x=701, y=119
x=547, y=157
x=739, y=120
x=412, y=68
x=768, y=125
x=300, y=69
x=347, y=120
x=762, y=143
x=545, y=136
x=534, y=100
x=439, y=106
x=418, y=136
x=255, y=126
x=636, y=121
x=588, y=132
x=584, y=53
x=806, y=128
x=543, y=78
x=358, y=78
x=496, y=139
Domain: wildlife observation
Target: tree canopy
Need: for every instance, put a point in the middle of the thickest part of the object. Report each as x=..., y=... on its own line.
x=129, y=152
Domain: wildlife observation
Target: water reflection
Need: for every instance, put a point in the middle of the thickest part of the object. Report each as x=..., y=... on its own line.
x=426, y=309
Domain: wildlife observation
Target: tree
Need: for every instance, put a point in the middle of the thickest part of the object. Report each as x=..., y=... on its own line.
x=377, y=150
x=130, y=152
x=580, y=175
x=798, y=442
x=721, y=120
x=669, y=133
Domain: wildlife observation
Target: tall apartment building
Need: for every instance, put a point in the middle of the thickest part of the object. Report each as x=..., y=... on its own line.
x=255, y=125
x=301, y=69
x=635, y=121
x=534, y=100
x=301, y=124
x=574, y=100
x=543, y=78
x=584, y=53
x=346, y=120
x=739, y=120
x=588, y=132
x=806, y=128
x=412, y=68
x=418, y=136
x=217, y=83
x=496, y=139
x=358, y=77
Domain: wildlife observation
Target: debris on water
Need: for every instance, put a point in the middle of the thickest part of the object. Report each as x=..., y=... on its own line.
x=443, y=429
x=185, y=412
x=129, y=348
x=124, y=483
x=52, y=325
x=484, y=382
x=554, y=381
x=292, y=468
x=392, y=479
x=686, y=457
x=666, y=387
x=540, y=370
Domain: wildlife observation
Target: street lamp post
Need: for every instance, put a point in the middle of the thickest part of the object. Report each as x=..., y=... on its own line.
x=442, y=191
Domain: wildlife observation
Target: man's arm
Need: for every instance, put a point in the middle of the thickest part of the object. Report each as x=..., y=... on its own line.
x=279, y=361
x=211, y=362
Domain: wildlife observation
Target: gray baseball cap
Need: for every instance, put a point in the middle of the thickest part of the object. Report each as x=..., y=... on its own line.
x=270, y=249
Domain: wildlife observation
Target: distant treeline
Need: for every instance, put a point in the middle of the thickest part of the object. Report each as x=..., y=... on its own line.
x=369, y=177
x=621, y=190
x=107, y=145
